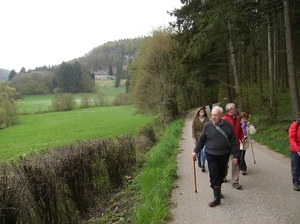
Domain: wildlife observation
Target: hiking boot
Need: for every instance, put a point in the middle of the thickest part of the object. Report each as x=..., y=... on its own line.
x=237, y=186
x=217, y=200
x=296, y=188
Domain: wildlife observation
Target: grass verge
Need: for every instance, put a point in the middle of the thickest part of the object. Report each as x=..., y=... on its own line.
x=145, y=198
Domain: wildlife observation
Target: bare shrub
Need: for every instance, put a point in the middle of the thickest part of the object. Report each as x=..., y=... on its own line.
x=61, y=185
x=85, y=101
x=11, y=191
x=101, y=100
x=63, y=102
x=122, y=99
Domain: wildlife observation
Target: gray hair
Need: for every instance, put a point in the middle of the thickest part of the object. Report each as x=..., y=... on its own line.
x=229, y=106
x=218, y=108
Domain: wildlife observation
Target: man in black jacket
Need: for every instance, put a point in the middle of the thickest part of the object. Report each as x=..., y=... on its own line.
x=219, y=140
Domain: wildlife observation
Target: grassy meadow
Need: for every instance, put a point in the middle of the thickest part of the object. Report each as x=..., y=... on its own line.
x=41, y=103
x=47, y=130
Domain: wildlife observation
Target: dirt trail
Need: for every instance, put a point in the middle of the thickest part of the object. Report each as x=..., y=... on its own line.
x=267, y=195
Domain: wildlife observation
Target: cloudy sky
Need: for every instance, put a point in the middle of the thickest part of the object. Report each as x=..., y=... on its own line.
x=35, y=33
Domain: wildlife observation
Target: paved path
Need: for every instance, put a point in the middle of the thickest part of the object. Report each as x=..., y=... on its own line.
x=267, y=195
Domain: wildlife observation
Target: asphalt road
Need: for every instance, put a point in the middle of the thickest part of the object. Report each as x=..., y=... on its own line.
x=267, y=195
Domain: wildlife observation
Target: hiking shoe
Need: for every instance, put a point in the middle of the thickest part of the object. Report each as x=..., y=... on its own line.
x=244, y=172
x=237, y=186
x=296, y=188
x=203, y=169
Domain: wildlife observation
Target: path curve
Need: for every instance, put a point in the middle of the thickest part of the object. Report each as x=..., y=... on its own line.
x=267, y=195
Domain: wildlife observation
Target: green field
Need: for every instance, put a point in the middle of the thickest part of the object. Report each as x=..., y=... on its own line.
x=47, y=130
x=41, y=103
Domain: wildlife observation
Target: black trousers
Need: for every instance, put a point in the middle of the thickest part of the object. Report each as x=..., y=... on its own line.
x=217, y=166
x=242, y=162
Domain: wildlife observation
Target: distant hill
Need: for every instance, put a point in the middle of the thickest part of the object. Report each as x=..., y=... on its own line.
x=111, y=53
x=4, y=73
x=101, y=57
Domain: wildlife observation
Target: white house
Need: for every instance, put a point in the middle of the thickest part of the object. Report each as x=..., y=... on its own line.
x=102, y=75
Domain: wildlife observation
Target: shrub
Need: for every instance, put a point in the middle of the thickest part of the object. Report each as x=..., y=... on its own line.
x=101, y=100
x=85, y=101
x=63, y=102
x=122, y=99
x=60, y=186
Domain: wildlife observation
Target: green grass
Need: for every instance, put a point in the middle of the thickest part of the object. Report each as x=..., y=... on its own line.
x=40, y=131
x=47, y=129
x=157, y=177
x=42, y=103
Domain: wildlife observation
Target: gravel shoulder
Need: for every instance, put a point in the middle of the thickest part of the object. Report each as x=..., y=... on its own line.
x=267, y=195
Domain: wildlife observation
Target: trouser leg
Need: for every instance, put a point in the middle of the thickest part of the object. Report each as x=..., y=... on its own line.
x=295, y=168
x=217, y=166
x=199, y=158
x=242, y=162
x=227, y=167
x=235, y=173
x=203, y=157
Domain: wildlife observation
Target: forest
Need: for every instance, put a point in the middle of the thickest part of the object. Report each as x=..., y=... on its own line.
x=245, y=52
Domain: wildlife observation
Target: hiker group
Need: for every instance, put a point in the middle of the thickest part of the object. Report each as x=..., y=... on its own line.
x=226, y=136
x=219, y=139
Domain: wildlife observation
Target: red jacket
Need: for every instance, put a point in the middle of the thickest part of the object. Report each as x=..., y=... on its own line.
x=294, y=137
x=237, y=128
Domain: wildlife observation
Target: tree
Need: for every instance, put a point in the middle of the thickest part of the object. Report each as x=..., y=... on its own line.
x=12, y=74
x=290, y=62
x=23, y=70
x=9, y=114
x=110, y=70
x=153, y=84
x=69, y=77
x=119, y=73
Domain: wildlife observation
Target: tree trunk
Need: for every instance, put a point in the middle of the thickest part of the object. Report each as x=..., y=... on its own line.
x=234, y=71
x=290, y=61
x=273, y=115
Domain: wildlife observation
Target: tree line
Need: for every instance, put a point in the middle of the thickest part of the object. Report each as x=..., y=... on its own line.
x=65, y=78
x=239, y=51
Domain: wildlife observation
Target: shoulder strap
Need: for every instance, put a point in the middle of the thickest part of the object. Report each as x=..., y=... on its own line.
x=222, y=132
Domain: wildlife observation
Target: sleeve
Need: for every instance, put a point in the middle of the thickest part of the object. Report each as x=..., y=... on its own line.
x=294, y=147
x=201, y=141
x=241, y=134
x=194, y=129
x=244, y=125
x=234, y=146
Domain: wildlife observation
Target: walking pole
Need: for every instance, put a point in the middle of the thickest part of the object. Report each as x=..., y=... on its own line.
x=194, y=160
x=252, y=149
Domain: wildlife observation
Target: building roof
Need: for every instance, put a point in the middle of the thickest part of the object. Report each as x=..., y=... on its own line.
x=99, y=72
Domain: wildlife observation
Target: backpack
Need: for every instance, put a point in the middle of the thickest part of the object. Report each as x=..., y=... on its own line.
x=298, y=123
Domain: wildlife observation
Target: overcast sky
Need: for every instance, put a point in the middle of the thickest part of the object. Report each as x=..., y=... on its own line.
x=35, y=33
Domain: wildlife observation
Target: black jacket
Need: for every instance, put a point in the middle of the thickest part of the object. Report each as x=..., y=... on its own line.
x=215, y=142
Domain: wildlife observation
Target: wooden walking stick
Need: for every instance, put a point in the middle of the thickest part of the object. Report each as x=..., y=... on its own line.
x=195, y=182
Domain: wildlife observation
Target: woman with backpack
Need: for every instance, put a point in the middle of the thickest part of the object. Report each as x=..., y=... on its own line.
x=294, y=141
